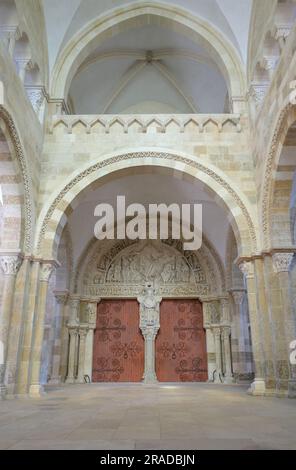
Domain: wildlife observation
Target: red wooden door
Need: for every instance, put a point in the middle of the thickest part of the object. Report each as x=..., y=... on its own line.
x=181, y=354
x=118, y=343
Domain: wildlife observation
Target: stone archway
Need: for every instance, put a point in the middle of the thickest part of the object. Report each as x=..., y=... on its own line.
x=241, y=214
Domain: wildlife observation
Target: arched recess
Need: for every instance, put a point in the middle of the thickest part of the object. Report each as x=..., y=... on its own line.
x=278, y=180
x=53, y=217
x=16, y=187
x=82, y=44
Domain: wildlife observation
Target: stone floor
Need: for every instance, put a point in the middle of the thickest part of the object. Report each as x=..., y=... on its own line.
x=173, y=417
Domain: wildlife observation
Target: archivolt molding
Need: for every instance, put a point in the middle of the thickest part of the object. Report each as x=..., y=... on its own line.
x=77, y=50
x=152, y=158
x=27, y=187
x=286, y=118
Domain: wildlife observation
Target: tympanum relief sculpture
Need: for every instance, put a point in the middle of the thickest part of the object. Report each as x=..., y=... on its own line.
x=175, y=273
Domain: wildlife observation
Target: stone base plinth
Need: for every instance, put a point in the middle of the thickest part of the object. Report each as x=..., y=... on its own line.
x=257, y=388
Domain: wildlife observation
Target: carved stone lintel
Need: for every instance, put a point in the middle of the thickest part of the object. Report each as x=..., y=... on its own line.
x=10, y=265
x=247, y=268
x=281, y=262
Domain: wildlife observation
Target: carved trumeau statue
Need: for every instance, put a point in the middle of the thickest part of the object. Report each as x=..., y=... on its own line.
x=149, y=325
x=149, y=307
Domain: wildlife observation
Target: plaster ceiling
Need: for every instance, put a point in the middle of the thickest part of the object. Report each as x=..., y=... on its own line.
x=178, y=76
x=64, y=18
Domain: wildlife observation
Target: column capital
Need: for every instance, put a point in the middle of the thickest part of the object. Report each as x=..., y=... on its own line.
x=150, y=333
x=61, y=297
x=91, y=310
x=238, y=296
x=247, y=268
x=225, y=331
x=46, y=270
x=282, y=261
x=10, y=264
x=83, y=332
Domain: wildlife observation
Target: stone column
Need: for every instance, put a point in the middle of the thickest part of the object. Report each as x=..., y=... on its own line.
x=65, y=342
x=238, y=296
x=61, y=298
x=23, y=373
x=217, y=338
x=258, y=386
x=286, y=330
x=225, y=332
x=211, y=355
x=83, y=331
x=10, y=266
x=73, y=332
x=149, y=325
x=89, y=344
x=46, y=270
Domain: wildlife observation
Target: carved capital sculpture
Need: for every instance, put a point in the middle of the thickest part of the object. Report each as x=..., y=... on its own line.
x=10, y=265
x=247, y=268
x=281, y=262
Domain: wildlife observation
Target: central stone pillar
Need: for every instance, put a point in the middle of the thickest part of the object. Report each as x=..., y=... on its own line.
x=149, y=325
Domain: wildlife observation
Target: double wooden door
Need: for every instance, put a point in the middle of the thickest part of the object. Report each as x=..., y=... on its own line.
x=118, y=343
x=180, y=349
x=181, y=354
